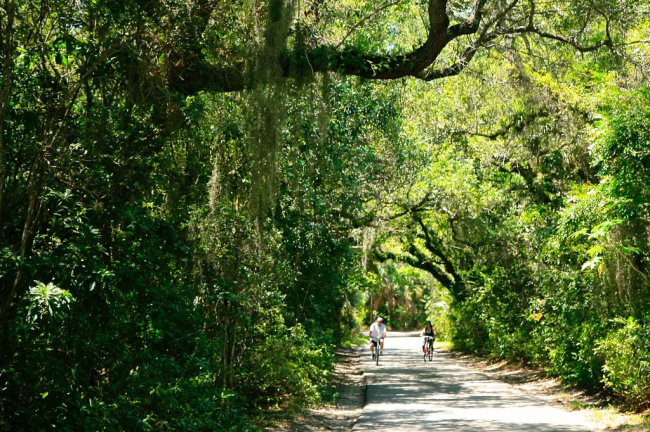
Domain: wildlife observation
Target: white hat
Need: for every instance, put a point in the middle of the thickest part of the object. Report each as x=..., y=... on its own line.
x=379, y=319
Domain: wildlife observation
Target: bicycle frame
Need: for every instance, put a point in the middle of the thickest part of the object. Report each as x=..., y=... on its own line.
x=376, y=343
x=428, y=347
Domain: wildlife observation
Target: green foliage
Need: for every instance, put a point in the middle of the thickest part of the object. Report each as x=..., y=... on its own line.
x=626, y=357
x=201, y=254
x=287, y=369
x=624, y=158
x=46, y=302
x=541, y=212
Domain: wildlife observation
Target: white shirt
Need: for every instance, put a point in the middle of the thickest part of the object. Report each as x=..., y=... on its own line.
x=377, y=331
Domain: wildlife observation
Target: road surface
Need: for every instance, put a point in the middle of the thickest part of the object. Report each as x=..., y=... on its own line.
x=406, y=394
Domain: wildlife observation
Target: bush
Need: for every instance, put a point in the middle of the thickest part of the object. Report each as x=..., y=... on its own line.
x=626, y=356
x=286, y=370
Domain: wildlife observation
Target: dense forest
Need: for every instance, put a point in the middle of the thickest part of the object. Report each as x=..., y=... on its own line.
x=200, y=200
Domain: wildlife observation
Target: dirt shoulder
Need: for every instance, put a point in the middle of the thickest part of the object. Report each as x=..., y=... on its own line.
x=534, y=381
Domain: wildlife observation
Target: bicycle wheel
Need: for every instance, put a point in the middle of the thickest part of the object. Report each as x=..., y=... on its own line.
x=377, y=353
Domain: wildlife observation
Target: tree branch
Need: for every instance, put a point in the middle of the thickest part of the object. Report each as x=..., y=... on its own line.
x=582, y=48
x=194, y=73
x=419, y=261
x=469, y=52
x=437, y=251
x=634, y=267
x=518, y=125
x=409, y=210
x=471, y=25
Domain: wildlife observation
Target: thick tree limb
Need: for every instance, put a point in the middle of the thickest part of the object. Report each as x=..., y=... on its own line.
x=471, y=25
x=351, y=62
x=468, y=54
x=433, y=246
x=417, y=260
x=193, y=73
x=196, y=74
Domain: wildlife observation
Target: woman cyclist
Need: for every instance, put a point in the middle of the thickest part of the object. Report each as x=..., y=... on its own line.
x=428, y=332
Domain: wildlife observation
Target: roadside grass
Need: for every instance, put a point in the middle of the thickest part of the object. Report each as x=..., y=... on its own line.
x=614, y=420
x=443, y=345
x=354, y=341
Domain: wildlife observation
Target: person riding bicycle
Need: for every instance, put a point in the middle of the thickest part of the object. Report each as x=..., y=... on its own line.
x=428, y=332
x=376, y=333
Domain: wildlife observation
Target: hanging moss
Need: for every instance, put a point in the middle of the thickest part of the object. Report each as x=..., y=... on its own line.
x=265, y=121
x=267, y=108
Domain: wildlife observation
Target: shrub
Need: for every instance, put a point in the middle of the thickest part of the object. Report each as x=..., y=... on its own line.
x=626, y=355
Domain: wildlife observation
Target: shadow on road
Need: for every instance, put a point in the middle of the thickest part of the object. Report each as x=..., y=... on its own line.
x=405, y=393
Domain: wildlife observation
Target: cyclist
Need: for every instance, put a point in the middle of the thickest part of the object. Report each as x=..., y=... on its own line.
x=427, y=332
x=377, y=333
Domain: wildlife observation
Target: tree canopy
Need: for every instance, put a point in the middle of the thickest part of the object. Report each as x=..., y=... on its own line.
x=200, y=200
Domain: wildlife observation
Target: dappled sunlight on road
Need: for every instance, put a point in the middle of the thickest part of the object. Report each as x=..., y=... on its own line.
x=407, y=394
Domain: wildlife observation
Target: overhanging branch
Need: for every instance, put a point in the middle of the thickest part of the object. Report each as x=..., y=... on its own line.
x=194, y=73
x=607, y=42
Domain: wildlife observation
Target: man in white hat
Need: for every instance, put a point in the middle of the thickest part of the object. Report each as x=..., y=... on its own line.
x=377, y=332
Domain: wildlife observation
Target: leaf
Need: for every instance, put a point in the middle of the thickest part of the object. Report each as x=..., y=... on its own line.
x=602, y=229
x=630, y=249
x=579, y=233
x=591, y=264
x=595, y=250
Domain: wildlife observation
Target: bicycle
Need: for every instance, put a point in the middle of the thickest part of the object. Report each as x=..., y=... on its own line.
x=428, y=348
x=376, y=349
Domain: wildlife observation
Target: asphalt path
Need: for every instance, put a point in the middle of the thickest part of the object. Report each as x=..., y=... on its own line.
x=404, y=393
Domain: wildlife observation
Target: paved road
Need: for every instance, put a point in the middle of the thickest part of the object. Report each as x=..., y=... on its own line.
x=406, y=394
